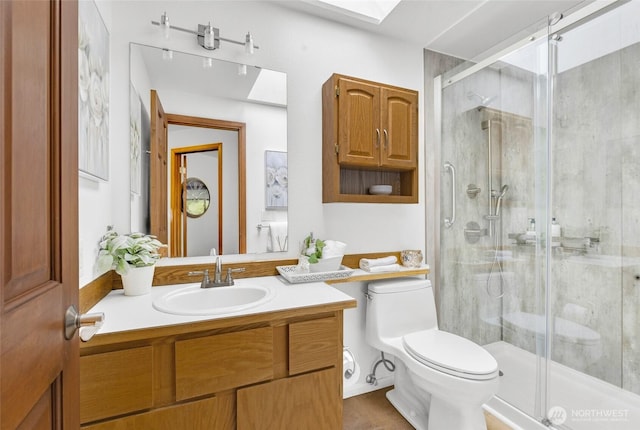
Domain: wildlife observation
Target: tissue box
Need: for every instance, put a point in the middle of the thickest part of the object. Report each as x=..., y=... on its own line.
x=330, y=264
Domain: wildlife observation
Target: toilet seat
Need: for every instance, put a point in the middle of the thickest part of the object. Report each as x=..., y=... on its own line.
x=451, y=354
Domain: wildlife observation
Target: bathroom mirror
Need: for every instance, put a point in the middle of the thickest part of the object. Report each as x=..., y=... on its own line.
x=210, y=91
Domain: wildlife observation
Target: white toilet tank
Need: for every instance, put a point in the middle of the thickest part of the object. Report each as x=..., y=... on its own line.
x=398, y=307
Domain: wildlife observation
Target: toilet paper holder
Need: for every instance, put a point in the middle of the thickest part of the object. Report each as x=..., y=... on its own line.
x=348, y=356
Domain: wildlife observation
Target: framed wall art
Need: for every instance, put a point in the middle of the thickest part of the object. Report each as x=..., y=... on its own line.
x=276, y=180
x=93, y=92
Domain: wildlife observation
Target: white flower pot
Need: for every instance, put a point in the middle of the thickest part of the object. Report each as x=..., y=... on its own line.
x=138, y=281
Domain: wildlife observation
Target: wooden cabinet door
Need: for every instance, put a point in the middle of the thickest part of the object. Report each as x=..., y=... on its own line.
x=310, y=401
x=399, y=123
x=38, y=213
x=358, y=123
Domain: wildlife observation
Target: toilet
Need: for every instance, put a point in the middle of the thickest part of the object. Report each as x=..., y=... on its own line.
x=441, y=380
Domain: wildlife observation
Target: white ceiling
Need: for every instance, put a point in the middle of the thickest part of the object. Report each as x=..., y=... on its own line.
x=462, y=28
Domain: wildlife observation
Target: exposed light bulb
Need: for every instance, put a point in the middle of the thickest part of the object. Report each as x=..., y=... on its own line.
x=242, y=69
x=248, y=43
x=167, y=54
x=209, y=37
x=164, y=25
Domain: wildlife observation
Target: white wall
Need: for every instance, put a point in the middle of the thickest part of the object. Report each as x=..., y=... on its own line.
x=309, y=50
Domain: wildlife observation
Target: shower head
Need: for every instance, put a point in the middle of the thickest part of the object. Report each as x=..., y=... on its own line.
x=484, y=101
x=503, y=191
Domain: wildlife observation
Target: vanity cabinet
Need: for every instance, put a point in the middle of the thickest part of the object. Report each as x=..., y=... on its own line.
x=370, y=137
x=247, y=373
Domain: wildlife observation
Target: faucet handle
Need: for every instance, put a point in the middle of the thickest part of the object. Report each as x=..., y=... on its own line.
x=205, y=276
x=229, y=279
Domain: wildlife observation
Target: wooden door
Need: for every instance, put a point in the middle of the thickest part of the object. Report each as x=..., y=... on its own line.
x=359, y=133
x=399, y=122
x=158, y=199
x=38, y=213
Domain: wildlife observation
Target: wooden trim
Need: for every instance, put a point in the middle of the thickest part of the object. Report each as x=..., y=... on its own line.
x=178, y=243
x=170, y=275
x=69, y=396
x=241, y=129
x=95, y=291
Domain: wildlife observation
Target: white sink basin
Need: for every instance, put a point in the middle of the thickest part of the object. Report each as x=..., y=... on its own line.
x=213, y=301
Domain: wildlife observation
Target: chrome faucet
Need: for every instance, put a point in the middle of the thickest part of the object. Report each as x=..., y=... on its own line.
x=217, y=276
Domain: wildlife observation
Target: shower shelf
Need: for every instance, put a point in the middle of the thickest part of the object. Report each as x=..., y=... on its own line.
x=521, y=239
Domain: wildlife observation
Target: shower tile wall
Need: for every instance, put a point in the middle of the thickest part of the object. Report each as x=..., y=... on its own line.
x=595, y=189
x=470, y=285
x=596, y=183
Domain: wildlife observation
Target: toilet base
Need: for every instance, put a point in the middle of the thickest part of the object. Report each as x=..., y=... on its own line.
x=415, y=416
x=444, y=417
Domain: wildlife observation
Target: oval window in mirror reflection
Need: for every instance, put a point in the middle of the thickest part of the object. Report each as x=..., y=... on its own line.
x=197, y=199
x=215, y=95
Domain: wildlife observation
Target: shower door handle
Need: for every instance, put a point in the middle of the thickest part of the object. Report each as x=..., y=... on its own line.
x=448, y=222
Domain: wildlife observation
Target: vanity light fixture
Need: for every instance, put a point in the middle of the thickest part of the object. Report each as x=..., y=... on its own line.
x=208, y=36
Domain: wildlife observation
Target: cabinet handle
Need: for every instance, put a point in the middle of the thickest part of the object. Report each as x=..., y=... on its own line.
x=448, y=222
x=377, y=137
x=386, y=139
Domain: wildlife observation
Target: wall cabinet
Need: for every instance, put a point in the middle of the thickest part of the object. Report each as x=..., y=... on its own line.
x=270, y=374
x=370, y=136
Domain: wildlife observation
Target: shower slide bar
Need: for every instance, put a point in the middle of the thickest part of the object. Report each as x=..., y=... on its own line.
x=448, y=222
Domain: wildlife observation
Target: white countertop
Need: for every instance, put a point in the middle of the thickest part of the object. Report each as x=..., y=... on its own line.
x=123, y=313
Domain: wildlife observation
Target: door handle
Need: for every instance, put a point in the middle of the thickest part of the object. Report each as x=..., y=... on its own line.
x=448, y=222
x=386, y=139
x=377, y=137
x=87, y=324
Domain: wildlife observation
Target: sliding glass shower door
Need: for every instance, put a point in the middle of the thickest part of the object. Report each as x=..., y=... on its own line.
x=539, y=239
x=493, y=267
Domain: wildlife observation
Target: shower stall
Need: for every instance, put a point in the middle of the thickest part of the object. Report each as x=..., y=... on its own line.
x=539, y=238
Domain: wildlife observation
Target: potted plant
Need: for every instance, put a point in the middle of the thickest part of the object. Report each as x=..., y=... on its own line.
x=321, y=255
x=133, y=256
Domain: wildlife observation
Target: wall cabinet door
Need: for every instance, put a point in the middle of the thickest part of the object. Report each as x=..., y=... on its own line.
x=359, y=131
x=377, y=125
x=310, y=401
x=399, y=124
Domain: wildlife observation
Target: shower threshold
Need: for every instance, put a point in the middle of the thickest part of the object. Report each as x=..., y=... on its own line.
x=586, y=402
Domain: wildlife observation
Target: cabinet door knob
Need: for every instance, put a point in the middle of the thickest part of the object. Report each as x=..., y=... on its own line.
x=377, y=137
x=386, y=139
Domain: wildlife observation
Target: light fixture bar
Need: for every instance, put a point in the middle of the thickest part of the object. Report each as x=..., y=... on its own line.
x=208, y=36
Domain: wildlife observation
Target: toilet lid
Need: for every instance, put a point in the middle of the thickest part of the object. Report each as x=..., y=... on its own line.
x=451, y=354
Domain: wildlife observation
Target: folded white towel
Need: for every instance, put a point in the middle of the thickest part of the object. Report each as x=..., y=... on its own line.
x=366, y=263
x=385, y=268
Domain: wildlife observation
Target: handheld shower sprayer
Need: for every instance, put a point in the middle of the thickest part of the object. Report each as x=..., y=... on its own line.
x=503, y=191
